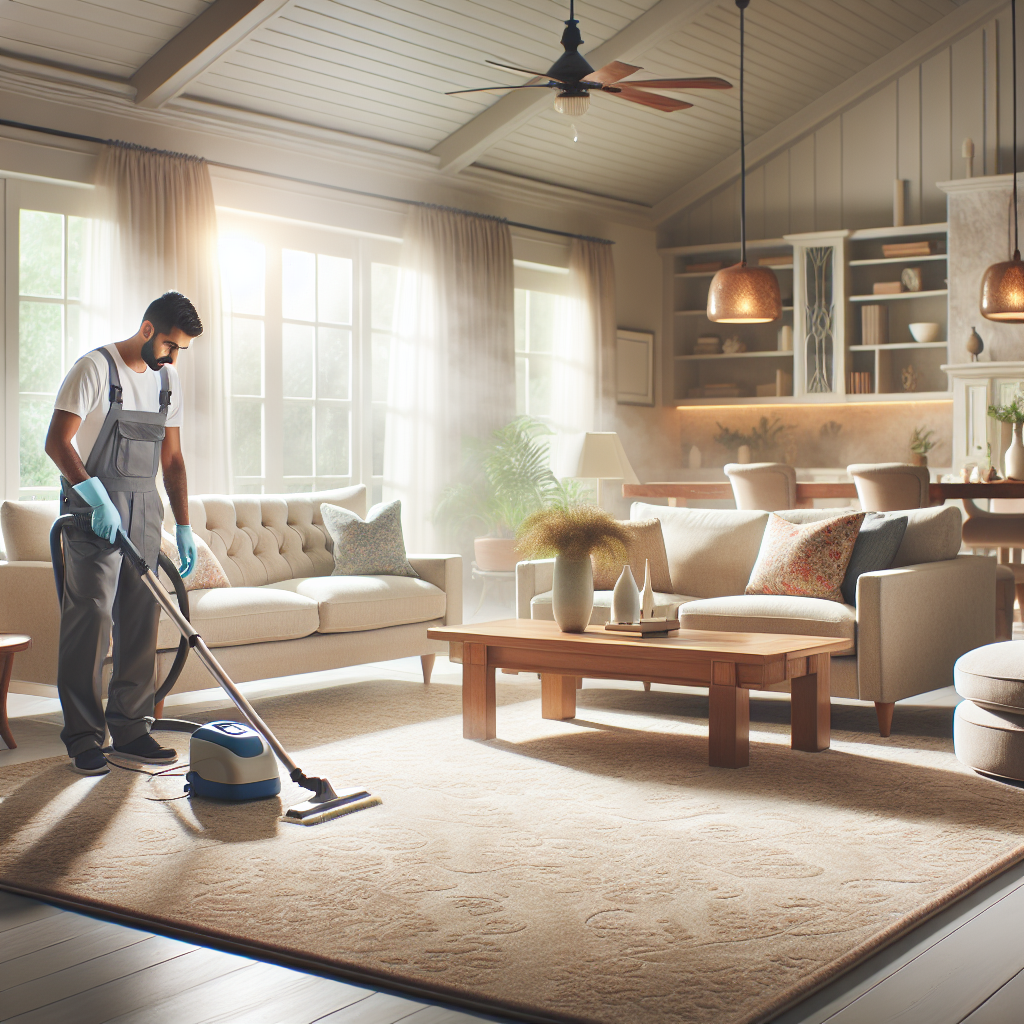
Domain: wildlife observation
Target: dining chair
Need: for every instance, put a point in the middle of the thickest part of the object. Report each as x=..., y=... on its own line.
x=762, y=486
x=1001, y=529
x=890, y=486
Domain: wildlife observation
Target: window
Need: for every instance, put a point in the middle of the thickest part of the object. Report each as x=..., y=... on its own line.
x=50, y=255
x=308, y=316
x=541, y=310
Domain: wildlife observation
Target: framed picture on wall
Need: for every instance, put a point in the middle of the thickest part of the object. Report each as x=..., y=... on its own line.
x=634, y=367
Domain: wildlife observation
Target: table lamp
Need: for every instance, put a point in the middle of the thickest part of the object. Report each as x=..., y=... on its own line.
x=595, y=455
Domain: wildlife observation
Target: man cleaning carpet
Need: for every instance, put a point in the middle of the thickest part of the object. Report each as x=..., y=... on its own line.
x=116, y=422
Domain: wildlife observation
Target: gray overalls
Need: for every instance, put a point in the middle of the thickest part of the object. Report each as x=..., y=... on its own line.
x=101, y=590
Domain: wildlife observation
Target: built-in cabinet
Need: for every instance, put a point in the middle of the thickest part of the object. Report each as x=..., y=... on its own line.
x=976, y=386
x=826, y=280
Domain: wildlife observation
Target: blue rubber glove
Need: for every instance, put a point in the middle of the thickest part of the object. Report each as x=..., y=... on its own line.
x=186, y=550
x=106, y=520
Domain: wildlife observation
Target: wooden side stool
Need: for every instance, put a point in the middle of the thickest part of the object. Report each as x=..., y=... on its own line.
x=10, y=644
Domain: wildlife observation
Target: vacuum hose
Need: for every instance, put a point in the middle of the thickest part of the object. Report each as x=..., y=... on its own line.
x=83, y=519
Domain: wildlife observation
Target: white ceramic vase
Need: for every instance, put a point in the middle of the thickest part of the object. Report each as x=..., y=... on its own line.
x=1013, y=460
x=647, y=594
x=626, y=598
x=572, y=593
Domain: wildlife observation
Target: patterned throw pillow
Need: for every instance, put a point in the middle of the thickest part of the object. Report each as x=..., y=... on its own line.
x=805, y=561
x=207, y=575
x=645, y=542
x=371, y=547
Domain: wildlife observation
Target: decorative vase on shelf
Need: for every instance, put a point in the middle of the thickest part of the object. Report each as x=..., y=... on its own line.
x=626, y=598
x=572, y=593
x=1013, y=460
x=647, y=594
x=917, y=459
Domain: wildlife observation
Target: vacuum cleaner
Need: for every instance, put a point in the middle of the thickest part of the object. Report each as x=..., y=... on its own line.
x=228, y=760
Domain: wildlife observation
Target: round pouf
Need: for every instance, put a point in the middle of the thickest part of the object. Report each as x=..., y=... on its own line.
x=988, y=728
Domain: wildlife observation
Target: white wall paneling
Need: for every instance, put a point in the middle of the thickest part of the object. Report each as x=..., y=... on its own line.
x=841, y=173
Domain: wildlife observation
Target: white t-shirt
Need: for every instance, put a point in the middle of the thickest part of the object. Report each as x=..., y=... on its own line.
x=86, y=393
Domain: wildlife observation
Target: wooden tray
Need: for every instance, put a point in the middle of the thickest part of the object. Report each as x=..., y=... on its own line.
x=646, y=627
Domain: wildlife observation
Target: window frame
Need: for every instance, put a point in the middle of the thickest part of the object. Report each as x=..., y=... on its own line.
x=550, y=279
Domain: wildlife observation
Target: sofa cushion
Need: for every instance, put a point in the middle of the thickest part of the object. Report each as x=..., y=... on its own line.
x=665, y=606
x=771, y=613
x=373, y=546
x=993, y=675
x=805, y=561
x=879, y=539
x=245, y=615
x=933, y=535
x=645, y=543
x=26, y=528
x=207, y=574
x=350, y=603
x=710, y=551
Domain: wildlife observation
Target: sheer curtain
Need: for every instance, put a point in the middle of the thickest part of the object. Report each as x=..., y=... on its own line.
x=452, y=367
x=588, y=339
x=156, y=231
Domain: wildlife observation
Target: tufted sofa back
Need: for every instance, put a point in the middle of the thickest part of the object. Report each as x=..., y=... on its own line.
x=267, y=538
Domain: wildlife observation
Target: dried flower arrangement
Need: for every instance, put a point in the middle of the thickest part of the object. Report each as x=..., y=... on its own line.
x=573, y=531
x=1013, y=412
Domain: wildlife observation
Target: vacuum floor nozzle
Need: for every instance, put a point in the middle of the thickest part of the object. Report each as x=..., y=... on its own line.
x=313, y=812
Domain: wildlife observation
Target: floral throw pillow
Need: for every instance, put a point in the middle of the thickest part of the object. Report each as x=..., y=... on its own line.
x=373, y=546
x=207, y=575
x=805, y=560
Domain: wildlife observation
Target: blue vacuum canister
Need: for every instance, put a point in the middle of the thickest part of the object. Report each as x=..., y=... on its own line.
x=230, y=761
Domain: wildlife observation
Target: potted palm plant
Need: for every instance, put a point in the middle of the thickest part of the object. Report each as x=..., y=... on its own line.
x=505, y=479
x=921, y=443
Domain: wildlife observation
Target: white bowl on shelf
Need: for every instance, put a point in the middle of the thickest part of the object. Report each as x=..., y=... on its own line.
x=925, y=331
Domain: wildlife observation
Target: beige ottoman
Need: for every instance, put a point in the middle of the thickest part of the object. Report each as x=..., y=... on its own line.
x=988, y=727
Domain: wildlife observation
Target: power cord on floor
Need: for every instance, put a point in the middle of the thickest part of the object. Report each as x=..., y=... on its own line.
x=169, y=773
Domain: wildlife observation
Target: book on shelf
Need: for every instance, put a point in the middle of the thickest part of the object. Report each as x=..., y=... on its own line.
x=703, y=268
x=707, y=345
x=887, y=288
x=893, y=250
x=775, y=261
x=722, y=391
x=874, y=325
x=783, y=383
x=861, y=383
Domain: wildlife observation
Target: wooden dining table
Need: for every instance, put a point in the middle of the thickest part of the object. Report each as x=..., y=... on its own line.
x=678, y=492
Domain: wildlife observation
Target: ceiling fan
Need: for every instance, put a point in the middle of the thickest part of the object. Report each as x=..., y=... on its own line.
x=574, y=79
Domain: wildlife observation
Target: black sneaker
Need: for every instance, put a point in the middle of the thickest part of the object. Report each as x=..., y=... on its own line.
x=146, y=749
x=91, y=762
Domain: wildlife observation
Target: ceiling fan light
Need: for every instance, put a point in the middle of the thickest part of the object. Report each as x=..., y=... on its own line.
x=1002, y=292
x=744, y=295
x=572, y=105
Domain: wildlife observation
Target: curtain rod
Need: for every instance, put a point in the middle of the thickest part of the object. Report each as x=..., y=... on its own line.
x=305, y=181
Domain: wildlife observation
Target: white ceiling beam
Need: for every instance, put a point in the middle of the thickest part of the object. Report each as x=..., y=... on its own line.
x=914, y=51
x=221, y=27
x=514, y=109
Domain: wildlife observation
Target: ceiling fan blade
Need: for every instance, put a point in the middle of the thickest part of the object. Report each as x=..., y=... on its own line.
x=611, y=73
x=492, y=88
x=648, y=99
x=523, y=71
x=684, y=83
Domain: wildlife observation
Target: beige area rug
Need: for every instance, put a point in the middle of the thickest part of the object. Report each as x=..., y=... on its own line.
x=594, y=870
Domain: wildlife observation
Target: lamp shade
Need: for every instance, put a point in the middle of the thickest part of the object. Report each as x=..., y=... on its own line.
x=594, y=456
x=1002, y=292
x=744, y=295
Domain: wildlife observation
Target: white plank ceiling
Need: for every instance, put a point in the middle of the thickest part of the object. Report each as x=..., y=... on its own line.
x=380, y=68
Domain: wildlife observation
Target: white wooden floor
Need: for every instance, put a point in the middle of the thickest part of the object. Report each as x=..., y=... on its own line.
x=965, y=966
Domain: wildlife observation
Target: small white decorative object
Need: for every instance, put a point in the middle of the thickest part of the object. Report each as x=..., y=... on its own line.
x=743, y=453
x=925, y=332
x=732, y=345
x=785, y=338
x=975, y=477
x=696, y=459
x=647, y=597
x=1013, y=460
x=626, y=598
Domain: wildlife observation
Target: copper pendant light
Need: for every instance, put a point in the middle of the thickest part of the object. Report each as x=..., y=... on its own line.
x=740, y=294
x=1002, y=287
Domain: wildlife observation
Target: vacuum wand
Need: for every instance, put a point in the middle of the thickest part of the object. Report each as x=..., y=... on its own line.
x=325, y=803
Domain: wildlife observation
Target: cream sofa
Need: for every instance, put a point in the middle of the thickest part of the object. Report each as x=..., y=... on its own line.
x=284, y=612
x=908, y=628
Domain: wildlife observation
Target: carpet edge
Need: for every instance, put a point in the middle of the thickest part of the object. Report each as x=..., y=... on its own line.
x=882, y=940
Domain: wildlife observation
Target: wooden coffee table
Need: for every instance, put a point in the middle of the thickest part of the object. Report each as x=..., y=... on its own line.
x=730, y=665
